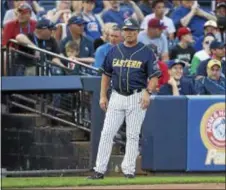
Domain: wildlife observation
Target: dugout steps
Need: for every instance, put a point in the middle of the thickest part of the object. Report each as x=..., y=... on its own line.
x=30, y=143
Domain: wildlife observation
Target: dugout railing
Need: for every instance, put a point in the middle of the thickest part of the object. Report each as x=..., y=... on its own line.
x=69, y=108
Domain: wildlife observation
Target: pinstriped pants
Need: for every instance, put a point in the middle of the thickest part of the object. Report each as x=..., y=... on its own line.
x=119, y=108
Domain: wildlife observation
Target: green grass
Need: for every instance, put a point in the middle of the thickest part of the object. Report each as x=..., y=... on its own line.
x=80, y=181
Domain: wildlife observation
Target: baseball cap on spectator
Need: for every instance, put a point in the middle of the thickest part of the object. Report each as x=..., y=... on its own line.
x=131, y=24
x=171, y=63
x=213, y=62
x=24, y=8
x=216, y=45
x=76, y=20
x=183, y=31
x=44, y=23
x=156, y=23
x=222, y=4
x=210, y=23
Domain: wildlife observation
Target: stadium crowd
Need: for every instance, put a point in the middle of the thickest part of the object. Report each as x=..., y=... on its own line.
x=188, y=39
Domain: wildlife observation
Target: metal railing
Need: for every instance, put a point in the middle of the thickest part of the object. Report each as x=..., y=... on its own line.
x=70, y=109
x=42, y=62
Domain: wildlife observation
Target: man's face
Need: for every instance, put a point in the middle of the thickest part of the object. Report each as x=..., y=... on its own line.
x=88, y=5
x=220, y=52
x=188, y=38
x=155, y=32
x=176, y=71
x=214, y=72
x=210, y=29
x=176, y=3
x=130, y=36
x=45, y=33
x=221, y=11
x=114, y=4
x=160, y=9
x=188, y=4
x=77, y=28
x=115, y=37
x=23, y=15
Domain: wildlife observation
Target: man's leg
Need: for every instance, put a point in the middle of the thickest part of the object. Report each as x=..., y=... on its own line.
x=134, y=120
x=114, y=118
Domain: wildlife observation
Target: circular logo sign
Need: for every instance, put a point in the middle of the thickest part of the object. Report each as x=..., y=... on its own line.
x=213, y=127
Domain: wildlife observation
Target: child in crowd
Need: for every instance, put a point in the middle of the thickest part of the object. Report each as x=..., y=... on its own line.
x=72, y=51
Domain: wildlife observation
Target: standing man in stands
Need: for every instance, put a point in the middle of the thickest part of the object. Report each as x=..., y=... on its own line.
x=76, y=28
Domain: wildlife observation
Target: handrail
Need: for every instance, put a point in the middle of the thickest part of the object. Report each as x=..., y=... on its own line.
x=53, y=54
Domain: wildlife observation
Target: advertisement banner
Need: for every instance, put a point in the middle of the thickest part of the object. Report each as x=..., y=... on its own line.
x=206, y=134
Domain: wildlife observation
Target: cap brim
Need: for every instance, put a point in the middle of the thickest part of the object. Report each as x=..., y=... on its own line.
x=181, y=62
x=79, y=22
x=130, y=28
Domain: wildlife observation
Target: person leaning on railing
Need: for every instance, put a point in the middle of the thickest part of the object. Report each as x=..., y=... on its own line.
x=41, y=38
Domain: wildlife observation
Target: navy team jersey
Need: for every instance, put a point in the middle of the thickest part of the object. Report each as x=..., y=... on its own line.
x=130, y=67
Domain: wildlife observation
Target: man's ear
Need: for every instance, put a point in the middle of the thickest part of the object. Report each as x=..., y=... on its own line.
x=170, y=72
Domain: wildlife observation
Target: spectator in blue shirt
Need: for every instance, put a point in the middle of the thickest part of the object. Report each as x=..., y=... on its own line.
x=213, y=83
x=76, y=27
x=92, y=26
x=177, y=84
x=115, y=38
x=189, y=14
x=217, y=52
x=118, y=14
x=145, y=7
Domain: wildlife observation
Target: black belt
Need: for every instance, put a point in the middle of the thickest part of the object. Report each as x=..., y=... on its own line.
x=131, y=92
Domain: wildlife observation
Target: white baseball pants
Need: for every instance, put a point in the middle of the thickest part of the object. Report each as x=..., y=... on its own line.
x=119, y=108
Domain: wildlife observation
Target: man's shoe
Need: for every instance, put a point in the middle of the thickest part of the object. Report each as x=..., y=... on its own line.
x=129, y=176
x=96, y=175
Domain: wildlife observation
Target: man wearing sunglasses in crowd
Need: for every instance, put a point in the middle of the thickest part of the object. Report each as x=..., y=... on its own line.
x=213, y=83
x=217, y=50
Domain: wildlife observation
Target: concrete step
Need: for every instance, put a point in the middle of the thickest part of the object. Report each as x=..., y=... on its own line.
x=31, y=118
x=85, y=146
x=115, y=165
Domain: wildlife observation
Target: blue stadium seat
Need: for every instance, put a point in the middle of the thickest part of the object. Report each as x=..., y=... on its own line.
x=47, y=4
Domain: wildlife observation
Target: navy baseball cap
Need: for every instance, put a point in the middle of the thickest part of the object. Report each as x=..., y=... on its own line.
x=171, y=63
x=131, y=24
x=76, y=20
x=44, y=23
x=216, y=45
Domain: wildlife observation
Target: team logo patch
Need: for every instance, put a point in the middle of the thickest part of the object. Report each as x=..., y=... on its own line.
x=92, y=26
x=212, y=131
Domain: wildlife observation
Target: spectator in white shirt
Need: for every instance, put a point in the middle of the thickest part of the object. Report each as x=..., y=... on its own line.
x=158, y=7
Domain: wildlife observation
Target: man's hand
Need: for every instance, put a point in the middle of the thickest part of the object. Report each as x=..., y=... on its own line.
x=172, y=81
x=145, y=100
x=103, y=103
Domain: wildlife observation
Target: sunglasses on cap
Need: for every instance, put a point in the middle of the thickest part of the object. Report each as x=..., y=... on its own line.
x=23, y=11
x=207, y=42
